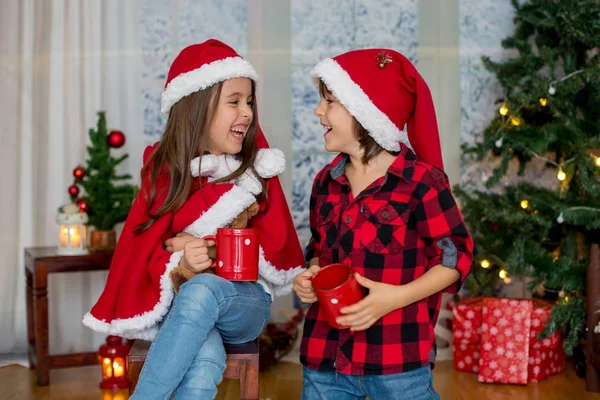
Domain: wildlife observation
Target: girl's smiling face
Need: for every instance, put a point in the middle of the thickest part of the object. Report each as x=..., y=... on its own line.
x=232, y=118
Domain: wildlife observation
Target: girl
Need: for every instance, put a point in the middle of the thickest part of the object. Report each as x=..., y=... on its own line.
x=386, y=210
x=211, y=127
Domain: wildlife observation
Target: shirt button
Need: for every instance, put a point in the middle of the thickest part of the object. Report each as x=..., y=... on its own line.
x=348, y=219
x=385, y=214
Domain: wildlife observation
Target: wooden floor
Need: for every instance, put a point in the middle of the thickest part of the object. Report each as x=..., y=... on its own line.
x=285, y=382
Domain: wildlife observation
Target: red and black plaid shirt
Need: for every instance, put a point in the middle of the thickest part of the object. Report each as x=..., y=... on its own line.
x=394, y=231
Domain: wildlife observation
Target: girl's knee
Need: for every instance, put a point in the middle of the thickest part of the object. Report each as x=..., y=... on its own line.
x=212, y=350
x=205, y=284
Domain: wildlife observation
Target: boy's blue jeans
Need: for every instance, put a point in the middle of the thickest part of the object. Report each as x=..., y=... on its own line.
x=188, y=356
x=412, y=385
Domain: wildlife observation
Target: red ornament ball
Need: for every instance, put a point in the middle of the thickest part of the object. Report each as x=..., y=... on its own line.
x=83, y=207
x=73, y=190
x=79, y=173
x=116, y=139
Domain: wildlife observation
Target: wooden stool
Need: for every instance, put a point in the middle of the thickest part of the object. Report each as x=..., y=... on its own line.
x=39, y=263
x=242, y=364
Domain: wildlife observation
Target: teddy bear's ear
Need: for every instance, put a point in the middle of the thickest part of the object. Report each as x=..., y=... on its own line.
x=269, y=162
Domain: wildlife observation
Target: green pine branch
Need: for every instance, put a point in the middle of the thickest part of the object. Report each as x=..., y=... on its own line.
x=551, y=112
x=108, y=202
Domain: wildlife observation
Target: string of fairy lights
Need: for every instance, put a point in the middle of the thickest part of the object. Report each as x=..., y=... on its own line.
x=561, y=175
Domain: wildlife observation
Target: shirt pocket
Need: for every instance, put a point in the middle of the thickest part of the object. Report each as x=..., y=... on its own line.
x=383, y=230
x=328, y=224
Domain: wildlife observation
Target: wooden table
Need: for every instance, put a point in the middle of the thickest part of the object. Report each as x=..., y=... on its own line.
x=39, y=263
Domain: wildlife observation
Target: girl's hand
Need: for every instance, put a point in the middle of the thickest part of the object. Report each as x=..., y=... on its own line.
x=382, y=300
x=178, y=242
x=303, y=285
x=196, y=255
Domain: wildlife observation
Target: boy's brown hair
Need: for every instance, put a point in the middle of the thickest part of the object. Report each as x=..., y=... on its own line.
x=367, y=143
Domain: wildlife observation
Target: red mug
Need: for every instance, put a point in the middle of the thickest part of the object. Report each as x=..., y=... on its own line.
x=237, y=253
x=336, y=288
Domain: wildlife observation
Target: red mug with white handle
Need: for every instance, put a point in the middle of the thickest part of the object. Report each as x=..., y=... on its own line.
x=336, y=287
x=237, y=253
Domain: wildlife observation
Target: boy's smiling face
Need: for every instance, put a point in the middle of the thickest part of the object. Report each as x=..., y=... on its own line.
x=338, y=123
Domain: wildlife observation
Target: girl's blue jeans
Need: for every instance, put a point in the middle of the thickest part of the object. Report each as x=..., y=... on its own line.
x=187, y=358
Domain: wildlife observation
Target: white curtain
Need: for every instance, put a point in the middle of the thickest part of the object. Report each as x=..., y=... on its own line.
x=61, y=61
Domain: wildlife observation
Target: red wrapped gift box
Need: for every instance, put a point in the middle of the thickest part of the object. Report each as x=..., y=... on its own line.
x=504, y=348
x=545, y=362
x=544, y=358
x=539, y=315
x=466, y=357
x=466, y=321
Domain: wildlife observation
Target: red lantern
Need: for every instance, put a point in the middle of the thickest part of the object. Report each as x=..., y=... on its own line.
x=73, y=190
x=79, y=173
x=112, y=358
x=116, y=139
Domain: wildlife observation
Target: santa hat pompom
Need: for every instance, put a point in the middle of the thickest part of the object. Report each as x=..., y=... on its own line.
x=269, y=162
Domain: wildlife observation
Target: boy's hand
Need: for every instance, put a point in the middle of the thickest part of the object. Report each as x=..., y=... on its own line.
x=196, y=255
x=382, y=300
x=303, y=285
x=176, y=243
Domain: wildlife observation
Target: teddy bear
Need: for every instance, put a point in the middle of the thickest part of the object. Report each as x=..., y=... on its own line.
x=180, y=275
x=268, y=163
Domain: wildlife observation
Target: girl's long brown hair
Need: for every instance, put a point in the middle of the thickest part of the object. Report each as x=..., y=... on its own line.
x=185, y=138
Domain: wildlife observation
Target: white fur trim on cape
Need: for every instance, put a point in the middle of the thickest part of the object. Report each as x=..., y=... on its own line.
x=250, y=182
x=359, y=105
x=204, y=77
x=268, y=163
x=143, y=326
x=225, y=210
x=280, y=280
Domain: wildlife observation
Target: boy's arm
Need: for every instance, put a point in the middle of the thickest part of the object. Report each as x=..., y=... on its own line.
x=449, y=246
x=449, y=249
x=433, y=281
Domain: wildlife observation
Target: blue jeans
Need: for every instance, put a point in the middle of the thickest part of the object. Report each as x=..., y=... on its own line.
x=187, y=358
x=412, y=385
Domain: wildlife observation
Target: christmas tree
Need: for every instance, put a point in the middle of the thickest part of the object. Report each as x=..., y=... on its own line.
x=105, y=202
x=549, y=116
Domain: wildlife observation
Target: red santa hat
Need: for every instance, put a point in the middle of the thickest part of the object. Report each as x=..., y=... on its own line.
x=384, y=92
x=200, y=66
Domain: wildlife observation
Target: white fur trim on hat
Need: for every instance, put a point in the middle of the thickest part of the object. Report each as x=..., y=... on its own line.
x=359, y=105
x=204, y=77
x=280, y=280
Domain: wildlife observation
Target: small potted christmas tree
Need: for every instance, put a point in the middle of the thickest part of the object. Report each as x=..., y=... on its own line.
x=106, y=202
